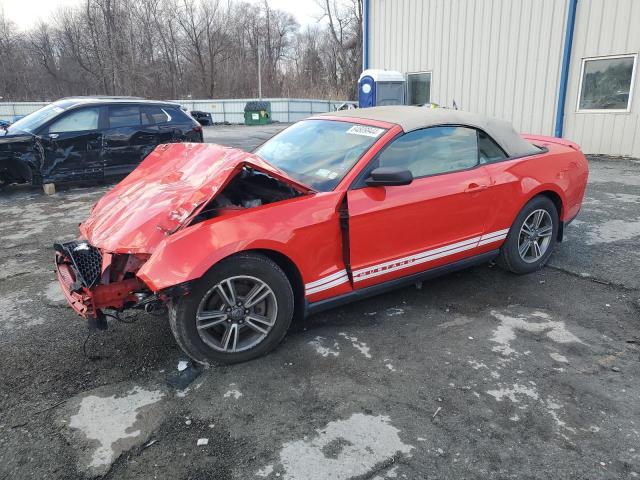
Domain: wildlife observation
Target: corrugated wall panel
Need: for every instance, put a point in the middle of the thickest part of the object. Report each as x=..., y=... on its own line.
x=497, y=57
x=604, y=27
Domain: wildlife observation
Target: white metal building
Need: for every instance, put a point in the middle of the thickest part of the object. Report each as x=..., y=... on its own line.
x=552, y=67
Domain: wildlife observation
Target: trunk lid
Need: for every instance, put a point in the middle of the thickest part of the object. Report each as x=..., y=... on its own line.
x=164, y=192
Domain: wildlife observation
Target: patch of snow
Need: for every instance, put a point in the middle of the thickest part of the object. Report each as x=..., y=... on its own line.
x=365, y=440
x=182, y=365
x=265, y=471
x=109, y=419
x=511, y=393
x=392, y=312
x=506, y=331
x=325, y=351
x=234, y=392
x=360, y=346
x=476, y=365
x=558, y=358
x=389, y=365
x=614, y=231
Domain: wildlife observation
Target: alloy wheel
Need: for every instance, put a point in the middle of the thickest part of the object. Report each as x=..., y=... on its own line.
x=236, y=314
x=535, y=236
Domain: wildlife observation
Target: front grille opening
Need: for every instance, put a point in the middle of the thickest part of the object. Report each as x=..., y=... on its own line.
x=86, y=259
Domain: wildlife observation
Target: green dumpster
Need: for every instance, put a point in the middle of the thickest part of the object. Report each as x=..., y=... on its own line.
x=257, y=113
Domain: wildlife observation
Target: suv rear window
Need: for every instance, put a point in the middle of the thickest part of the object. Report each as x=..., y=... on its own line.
x=154, y=115
x=178, y=116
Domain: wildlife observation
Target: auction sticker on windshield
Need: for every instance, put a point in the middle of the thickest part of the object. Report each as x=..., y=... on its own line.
x=366, y=131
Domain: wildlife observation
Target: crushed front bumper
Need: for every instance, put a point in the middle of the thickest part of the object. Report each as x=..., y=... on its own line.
x=79, y=268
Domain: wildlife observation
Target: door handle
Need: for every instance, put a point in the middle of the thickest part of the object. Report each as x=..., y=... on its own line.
x=475, y=187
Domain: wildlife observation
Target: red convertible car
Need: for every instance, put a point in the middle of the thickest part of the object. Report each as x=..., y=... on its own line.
x=332, y=209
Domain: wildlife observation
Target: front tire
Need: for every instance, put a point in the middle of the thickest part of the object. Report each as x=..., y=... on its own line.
x=241, y=309
x=531, y=238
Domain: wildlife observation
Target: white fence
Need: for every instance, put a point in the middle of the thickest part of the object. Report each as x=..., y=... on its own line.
x=227, y=110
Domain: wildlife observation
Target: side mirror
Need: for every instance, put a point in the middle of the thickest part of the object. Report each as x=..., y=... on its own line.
x=389, y=177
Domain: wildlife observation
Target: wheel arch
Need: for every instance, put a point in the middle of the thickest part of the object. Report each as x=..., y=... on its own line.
x=17, y=170
x=285, y=262
x=558, y=199
x=559, y=204
x=292, y=272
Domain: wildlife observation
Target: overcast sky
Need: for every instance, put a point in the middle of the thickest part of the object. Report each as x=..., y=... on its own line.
x=26, y=13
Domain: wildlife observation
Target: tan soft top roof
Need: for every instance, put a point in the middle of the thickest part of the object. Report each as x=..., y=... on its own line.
x=414, y=118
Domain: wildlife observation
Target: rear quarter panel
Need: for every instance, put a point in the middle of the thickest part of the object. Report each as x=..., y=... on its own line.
x=562, y=169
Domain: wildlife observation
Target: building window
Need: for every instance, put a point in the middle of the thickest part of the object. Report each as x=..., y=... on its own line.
x=606, y=84
x=418, y=88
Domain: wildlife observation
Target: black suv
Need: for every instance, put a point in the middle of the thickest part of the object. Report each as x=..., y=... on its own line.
x=89, y=138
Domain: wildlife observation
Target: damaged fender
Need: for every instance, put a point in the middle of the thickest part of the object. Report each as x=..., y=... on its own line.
x=20, y=158
x=190, y=253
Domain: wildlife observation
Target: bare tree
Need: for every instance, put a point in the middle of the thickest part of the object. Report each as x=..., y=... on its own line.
x=181, y=48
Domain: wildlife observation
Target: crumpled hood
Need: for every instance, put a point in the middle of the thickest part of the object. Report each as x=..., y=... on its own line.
x=164, y=193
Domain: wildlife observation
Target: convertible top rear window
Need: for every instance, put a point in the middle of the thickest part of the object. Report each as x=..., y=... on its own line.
x=319, y=153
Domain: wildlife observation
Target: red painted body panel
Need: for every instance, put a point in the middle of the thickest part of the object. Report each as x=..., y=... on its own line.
x=167, y=189
x=561, y=170
x=393, y=231
x=304, y=229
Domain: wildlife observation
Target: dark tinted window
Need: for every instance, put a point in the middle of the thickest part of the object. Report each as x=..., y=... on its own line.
x=125, y=116
x=488, y=149
x=178, y=116
x=433, y=150
x=154, y=115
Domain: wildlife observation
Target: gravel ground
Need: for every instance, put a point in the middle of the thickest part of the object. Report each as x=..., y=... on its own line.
x=479, y=374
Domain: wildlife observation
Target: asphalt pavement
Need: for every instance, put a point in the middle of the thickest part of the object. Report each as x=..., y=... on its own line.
x=478, y=374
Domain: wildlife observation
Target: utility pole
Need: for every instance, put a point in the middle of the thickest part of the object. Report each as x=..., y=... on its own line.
x=259, y=73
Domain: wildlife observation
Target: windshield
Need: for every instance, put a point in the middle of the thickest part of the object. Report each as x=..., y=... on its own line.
x=319, y=153
x=34, y=120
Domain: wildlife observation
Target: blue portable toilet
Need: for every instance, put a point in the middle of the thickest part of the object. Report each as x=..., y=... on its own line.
x=380, y=87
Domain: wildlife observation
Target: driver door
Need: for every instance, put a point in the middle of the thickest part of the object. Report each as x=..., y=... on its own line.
x=72, y=146
x=395, y=231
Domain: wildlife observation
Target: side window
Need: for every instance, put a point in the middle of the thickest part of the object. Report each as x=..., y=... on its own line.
x=489, y=150
x=154, y=115
x=178, y=116
x=82, y=120
x=124, y=116
x=433, y=150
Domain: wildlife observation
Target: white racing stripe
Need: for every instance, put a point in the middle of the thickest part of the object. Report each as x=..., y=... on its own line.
x=340, y=277
x=326, y=286
x=327, y=282
x=427, y=256
x=326, y=279
x=493, y=237
x=499, y=233
x=406, y=262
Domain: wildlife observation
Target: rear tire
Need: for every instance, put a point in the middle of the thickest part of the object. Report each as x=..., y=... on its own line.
x=531, y=238
x=239, y=310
